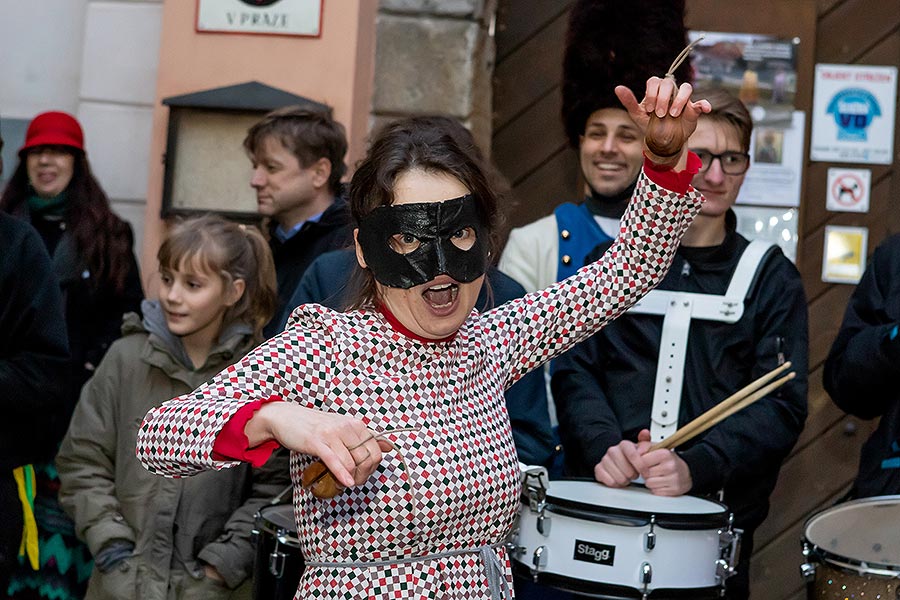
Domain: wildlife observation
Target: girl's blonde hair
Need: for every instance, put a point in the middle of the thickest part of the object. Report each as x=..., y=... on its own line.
x=234, y=252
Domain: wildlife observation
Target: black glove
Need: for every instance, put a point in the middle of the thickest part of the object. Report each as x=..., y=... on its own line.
x=113, y=553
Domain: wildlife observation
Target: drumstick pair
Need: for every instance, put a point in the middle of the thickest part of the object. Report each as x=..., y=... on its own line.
x=737, y=401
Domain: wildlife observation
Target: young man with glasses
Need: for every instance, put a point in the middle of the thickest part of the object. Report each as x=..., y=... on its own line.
x=727, y=312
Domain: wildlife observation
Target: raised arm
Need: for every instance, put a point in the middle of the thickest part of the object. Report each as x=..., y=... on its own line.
x=543, y=324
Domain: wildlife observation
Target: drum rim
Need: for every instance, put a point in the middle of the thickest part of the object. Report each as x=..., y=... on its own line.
x=847, y=562
x=269, y=526
x=622, y=592
x=666, y=520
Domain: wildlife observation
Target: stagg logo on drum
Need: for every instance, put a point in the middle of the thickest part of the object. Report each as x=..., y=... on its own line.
x=591, y=552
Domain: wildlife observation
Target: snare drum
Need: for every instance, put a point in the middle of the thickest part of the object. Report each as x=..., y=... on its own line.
x=853, y=550
x=279, y=563
x=584, y=537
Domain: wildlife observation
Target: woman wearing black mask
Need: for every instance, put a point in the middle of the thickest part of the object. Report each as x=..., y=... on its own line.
x=402, y=397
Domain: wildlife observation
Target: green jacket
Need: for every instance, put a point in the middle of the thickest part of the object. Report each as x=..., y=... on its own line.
x=175, y=524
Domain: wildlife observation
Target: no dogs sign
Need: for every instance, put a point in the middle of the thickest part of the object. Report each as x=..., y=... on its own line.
x=848, y=190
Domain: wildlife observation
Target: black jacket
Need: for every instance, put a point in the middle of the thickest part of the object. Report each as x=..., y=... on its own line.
x=327, y=282
x=33, y=349
x=33, y=361
x=862, y=372
x=604, y=386
x=292, y=257
x=93, y=309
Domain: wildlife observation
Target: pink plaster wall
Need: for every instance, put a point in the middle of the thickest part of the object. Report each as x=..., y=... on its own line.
x=335, y=68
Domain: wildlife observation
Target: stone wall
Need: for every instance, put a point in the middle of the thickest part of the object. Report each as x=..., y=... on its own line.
x=435, y=56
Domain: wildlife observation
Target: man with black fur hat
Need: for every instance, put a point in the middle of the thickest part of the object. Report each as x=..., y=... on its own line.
x=609, y=43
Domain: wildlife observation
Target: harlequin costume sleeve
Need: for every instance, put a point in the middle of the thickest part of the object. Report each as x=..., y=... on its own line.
x=431, y=520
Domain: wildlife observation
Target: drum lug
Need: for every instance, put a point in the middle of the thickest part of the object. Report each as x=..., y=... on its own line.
x=276, y=560
x=514, y=549
x=538, y=561
x=543, y=523
x=254, y=534
x=730, y=548
x=808, y=571
x=535, y=482
x=650, y=536
x=646, y=579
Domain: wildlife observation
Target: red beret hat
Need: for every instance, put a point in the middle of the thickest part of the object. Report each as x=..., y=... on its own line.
x=54, y=129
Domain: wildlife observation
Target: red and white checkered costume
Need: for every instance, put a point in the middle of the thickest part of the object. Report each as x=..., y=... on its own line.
x=457, y=484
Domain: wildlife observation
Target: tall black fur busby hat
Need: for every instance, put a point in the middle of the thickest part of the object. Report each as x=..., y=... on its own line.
x=617, y=42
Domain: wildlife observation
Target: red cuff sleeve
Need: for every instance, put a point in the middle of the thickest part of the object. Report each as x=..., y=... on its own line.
x=232, y=442
x=678, y=182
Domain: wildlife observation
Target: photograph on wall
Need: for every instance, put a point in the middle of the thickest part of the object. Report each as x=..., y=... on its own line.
x=759, y=69
x=776, y=164
x=844, y=255
x=848, y=190
x=853, y=114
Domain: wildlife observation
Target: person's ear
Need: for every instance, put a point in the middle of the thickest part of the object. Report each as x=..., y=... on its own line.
x=235, y=292
x=321, y=172
x=359, y=253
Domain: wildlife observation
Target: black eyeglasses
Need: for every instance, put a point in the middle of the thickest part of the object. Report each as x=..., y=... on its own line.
x=733, y=163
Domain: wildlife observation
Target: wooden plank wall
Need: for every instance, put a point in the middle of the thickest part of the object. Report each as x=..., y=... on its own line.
x=530, y=149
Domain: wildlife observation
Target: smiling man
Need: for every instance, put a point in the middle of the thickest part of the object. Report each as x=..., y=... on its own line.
x=609, y=43
x=298, y=161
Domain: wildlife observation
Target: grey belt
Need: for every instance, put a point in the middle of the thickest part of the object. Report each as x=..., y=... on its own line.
x=497, y=583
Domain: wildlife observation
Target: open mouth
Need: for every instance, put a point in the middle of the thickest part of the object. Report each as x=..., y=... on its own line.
x=441, y=296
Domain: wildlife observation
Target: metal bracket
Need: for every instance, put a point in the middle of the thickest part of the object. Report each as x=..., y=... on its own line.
x=646, y=579
x=729, y=550
x=650, y=536
x=538, y=562
x=543, y=522
x=276, y=562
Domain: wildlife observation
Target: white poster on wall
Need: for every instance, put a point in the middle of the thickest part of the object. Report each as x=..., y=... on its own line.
x=853, y=114
x=776, y=164
x=848, y=190
x=271, y=17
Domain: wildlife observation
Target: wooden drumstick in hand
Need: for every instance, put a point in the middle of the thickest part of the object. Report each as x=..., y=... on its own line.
x=323, y=484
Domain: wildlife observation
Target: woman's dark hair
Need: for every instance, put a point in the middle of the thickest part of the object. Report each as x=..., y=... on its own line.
x=434, y=144
x=103, y=240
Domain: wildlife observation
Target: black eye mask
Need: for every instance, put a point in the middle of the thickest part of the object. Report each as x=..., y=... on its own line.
x=433, y=224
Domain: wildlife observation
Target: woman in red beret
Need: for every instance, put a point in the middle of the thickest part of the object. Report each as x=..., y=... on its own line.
x=54, y=189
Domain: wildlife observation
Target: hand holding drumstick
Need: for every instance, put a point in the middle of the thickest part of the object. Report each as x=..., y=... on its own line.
x=664, y=472
x=349, y=450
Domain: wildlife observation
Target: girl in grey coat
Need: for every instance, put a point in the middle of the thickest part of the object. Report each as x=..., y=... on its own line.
x=151, y=537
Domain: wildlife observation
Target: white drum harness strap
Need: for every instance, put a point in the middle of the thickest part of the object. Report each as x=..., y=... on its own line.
x=677, y=310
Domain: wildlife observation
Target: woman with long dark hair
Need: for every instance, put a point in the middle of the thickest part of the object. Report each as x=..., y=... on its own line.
x=54, y=189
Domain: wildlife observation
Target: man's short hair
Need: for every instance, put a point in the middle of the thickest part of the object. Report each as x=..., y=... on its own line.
x=727, y=108
x=308, y=133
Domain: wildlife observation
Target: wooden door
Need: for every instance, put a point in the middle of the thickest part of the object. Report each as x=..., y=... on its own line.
x=530, y=149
